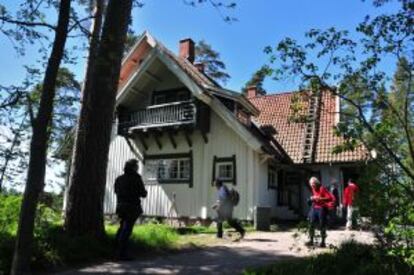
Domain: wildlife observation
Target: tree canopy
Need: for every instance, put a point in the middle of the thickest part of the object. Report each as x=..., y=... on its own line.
x=214, y=67
x=377, y=106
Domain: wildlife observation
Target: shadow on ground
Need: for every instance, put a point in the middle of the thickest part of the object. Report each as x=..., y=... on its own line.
x=217, y=260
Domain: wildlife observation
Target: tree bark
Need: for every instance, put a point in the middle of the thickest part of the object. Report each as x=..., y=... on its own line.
x=84, y=215
x=87, y=87
x=38, y=147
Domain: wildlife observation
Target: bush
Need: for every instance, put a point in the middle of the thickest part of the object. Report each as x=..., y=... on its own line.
x=54, y=248
x=9, y=213
x=45, y=219
x=350, y=259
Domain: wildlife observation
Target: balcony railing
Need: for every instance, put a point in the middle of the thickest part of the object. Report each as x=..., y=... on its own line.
x=156, y=116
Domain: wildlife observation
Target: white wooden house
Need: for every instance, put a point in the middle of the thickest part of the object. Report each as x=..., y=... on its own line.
x=186, y=130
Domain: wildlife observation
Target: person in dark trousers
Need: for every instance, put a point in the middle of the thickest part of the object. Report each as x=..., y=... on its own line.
x=129, y=189
x=224, y=207
x=320, y=200
x=332, y=215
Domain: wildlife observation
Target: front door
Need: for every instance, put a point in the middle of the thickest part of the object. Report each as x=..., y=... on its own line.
x=290, y=189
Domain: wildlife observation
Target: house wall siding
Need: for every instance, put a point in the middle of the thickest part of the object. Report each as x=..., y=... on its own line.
x=196, y=201
x=267, y=197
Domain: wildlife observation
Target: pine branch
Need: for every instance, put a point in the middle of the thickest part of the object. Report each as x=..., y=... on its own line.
x=27, y=23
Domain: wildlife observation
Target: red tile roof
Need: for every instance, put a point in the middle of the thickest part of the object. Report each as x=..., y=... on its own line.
x=275, y=114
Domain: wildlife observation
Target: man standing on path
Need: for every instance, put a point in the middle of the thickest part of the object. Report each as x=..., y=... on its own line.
x=320, y=204
x=129, y=189
x=348, y=199
x=224, y=207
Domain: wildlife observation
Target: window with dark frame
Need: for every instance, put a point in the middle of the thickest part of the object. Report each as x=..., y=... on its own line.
x=169, y=168
x=225, y=169
x=272, y=175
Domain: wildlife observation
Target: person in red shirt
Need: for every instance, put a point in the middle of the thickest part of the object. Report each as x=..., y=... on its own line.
x=348, y=201
x=321, y=200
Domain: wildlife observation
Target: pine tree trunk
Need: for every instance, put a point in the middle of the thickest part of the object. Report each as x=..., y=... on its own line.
x=84, y=215
x=38, y=148
x=87, y=88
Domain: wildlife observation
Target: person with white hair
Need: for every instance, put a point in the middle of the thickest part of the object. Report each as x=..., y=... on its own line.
x=321, y=200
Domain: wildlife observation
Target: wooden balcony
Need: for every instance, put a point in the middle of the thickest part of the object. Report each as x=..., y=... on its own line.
x=173, y=114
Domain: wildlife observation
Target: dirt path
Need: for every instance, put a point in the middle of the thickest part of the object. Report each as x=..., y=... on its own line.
x=257, y=249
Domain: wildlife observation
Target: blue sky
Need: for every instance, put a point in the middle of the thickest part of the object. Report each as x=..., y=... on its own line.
x=260, y=23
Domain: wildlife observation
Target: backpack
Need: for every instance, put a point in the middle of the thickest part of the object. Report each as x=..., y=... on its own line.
x=234, y=196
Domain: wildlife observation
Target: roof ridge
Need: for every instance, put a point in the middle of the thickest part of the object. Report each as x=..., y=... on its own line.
x=276, y=94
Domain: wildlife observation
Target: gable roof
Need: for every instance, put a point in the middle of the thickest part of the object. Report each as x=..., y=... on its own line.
x=147, y=49
x=275, y=113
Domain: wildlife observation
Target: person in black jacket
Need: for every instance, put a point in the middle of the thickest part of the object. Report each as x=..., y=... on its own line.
x=129, y=189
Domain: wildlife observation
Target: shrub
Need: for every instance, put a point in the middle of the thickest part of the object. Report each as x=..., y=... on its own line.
x=350, y=259
x=9, y=213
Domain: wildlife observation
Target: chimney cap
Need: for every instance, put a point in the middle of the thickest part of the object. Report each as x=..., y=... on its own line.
x=187, y=49
x=186, y=39
x=251, y=87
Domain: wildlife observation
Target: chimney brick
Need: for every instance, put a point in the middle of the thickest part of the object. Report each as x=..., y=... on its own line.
x=187, y=50
x=252, y=91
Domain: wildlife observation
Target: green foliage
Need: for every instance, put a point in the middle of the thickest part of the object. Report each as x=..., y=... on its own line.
x=156, y=236
x=46, y=219
x=375, y=113
x=213, y=66
x=14, y=151
x=9, y=213
x=53, y=247
x=150, y=236
x=350, y=258
x=257, y=79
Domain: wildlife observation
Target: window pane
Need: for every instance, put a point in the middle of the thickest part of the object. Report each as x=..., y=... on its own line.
x=150, y=172
x=185, y=169
x=225, y=171
x=173, y=169
x=167, y=169
x=162, y=169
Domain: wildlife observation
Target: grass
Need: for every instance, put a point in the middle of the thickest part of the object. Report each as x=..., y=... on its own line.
x=350, y=259
x=198, y=229
x=55, y=249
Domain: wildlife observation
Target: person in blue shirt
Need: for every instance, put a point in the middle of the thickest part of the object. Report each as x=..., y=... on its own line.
x=224, y=207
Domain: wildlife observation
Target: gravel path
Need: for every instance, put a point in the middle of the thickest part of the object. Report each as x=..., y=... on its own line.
x=257, y=249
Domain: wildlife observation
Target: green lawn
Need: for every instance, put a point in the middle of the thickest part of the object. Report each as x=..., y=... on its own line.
x=54, y=248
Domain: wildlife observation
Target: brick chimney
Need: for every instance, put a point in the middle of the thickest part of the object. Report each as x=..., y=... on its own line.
x=252, y=91
x=187, y=49
x=200, y=67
